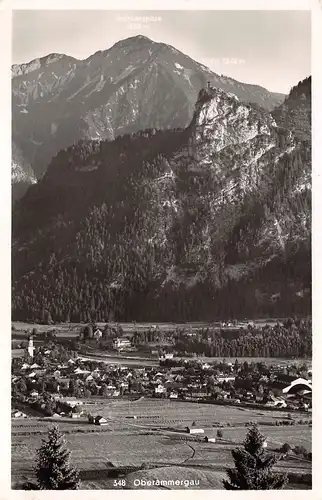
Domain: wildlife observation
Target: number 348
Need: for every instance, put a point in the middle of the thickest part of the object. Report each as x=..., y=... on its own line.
x=119, y=482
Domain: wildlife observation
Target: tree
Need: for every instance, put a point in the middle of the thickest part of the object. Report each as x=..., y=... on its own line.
x=104, y=390
x=286, y=448
x=253, y=466
x=88, y=332
x=219, y=433
x=53, y=470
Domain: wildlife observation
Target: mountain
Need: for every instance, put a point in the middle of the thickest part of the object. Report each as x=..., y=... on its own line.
x=295, y=112
x=136, y=84
x=192, y=223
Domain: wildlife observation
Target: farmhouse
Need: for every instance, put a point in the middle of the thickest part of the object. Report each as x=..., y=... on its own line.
x=210, y=439
x=99, y=420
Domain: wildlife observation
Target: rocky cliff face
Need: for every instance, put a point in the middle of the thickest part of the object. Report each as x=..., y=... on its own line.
x=137, y=84
x=192, y=223
x=22, y=175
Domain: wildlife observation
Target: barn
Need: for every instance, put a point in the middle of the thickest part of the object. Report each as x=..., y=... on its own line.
x=194, y=430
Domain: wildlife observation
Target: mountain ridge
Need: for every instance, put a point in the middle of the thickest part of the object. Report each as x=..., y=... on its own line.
x=185, y=224
x=59, y=100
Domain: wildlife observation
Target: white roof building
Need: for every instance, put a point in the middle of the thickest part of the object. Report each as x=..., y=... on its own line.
x=298, y=384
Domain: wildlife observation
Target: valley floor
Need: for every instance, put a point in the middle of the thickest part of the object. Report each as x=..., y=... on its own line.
x=155, y=438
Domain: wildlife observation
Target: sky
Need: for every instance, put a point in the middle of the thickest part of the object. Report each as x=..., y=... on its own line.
x=268, y=48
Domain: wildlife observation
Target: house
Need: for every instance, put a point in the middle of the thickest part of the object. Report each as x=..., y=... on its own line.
x=79, y=371
x=159, y=390
x=199, y=394
x=223, y=395
x=99, y=420
x=275, y=401
x=173, y=395
x=18, y=414
x=121, y=343
x=74, y=414
x=98, y=334
x=194, y=430
x=168, y=355
x=25, y=366
x=34, y=394
x=281, y=404
x=71, y=401
x=210, y=439
x=158, y=381
x=223, y=378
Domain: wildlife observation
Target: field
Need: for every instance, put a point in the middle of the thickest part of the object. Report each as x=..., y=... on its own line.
x=163, y=413
x=156, y=438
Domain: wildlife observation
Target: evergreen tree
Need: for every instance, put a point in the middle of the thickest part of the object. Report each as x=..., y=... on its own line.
x=53, y=470
x=253, y=466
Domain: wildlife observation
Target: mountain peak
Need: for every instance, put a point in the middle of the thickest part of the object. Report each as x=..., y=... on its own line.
x=134, y=40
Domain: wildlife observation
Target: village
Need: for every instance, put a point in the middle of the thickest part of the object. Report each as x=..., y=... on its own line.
x=132, y=403
x=56, y=380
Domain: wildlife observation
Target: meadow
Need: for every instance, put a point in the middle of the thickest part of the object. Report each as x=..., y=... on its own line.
x=164, y=412
x=156, y=437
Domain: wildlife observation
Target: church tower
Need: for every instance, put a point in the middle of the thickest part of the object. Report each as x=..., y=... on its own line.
x=31, y=346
